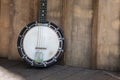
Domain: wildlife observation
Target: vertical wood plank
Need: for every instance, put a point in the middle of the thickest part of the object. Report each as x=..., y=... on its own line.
x=21, y=15
x=67, y=26
x=108, y=35
x=54, y=13
x=4, y=27
x=81, y=33
x=77, y=26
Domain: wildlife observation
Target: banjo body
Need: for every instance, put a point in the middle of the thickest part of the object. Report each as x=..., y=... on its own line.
x=41, y=44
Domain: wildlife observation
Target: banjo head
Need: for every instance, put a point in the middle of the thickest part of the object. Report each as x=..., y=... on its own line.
x=41, y=44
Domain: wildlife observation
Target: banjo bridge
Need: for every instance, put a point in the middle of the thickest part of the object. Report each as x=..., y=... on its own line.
x=40, y=48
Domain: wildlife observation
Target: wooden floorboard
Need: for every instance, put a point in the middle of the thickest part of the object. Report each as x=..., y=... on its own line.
x=63, y=74
x=18, y=70
x=100, y=76
x=82, y=75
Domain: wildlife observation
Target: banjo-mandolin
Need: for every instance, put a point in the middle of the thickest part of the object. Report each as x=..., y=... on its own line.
x=41, y=43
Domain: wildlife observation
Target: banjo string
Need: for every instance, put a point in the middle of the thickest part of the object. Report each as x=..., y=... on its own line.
x=37, y=37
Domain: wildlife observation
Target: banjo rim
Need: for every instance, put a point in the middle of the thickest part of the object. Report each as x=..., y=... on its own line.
x=47, y=63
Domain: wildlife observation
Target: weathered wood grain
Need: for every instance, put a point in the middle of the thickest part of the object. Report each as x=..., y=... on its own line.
x=67, y=27
x=4, y=28
x=108, y=52
x=81, y=33
x=54, y=12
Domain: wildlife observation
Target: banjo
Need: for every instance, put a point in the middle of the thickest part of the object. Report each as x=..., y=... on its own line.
x=41, y=43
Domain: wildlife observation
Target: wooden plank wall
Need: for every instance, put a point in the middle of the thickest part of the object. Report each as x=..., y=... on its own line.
x=14, y=16
x=91, y=28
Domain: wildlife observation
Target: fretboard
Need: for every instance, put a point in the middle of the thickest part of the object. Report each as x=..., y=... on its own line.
x=43, y=11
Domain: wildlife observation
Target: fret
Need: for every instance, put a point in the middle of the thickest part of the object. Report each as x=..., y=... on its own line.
x=43, y=11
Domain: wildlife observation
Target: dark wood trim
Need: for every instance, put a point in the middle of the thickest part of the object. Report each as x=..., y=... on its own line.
x=95, y=33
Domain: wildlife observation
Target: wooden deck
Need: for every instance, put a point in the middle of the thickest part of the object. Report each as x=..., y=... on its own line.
x=16, y=70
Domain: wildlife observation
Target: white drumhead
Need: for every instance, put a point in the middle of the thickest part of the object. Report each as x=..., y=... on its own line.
x=43, y=40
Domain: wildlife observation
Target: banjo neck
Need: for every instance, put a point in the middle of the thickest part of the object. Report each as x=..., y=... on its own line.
x=43, y=11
